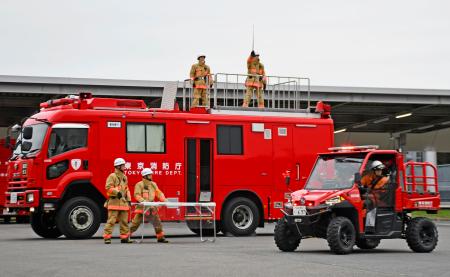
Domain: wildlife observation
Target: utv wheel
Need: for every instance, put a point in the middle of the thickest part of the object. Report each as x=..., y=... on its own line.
x=341, y=235
x=421, y=235
x=44, y=225
x=240, y=216
x=286, y=239
x=367, y=243
x=79, y=218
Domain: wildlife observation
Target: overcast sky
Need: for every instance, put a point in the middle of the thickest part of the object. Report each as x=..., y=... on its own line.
x=348, y=43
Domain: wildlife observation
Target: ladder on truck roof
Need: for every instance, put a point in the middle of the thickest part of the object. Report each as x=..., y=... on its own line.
x=281, y=94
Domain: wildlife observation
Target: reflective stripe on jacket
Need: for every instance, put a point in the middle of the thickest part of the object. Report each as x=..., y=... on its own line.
x=255, y=68
x=147, y=191
x=199, y=73
x=115, y=183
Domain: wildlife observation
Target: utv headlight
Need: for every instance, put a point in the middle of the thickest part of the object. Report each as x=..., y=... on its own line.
x=334, y=200
x=288, y=205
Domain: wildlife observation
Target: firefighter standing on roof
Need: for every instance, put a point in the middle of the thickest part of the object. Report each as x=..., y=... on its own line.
x=147, y=191
x=201, y=79
x=256, y=80
x=118, y=203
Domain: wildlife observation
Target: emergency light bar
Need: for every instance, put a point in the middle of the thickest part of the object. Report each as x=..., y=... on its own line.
x=354, y=148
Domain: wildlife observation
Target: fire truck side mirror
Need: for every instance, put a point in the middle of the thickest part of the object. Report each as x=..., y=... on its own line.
x=358, y=178
x=27, y=132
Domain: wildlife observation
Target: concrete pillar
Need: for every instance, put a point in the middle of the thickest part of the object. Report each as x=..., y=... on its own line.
x=430, y=155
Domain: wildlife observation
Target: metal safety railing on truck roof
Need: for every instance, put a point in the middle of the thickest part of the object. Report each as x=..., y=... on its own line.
x=228, y=90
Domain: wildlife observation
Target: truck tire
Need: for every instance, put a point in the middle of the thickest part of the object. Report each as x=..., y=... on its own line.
x=367, y=243
x=240, y=217
x=285, y=238
x=341, y=235
x=44, y=225
x=421, y=235
x=194, y=227
x=79, y=218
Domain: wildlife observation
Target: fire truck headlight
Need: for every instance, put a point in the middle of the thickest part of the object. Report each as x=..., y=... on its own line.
x=30, y=197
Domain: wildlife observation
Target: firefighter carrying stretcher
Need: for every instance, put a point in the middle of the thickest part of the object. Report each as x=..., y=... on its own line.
x=118, y=203
x=147, y=191
x=256, y=81
x=201, y=79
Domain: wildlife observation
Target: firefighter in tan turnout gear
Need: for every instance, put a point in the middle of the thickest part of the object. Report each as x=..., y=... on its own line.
x=118, y=203
x=201, y=79
x=147, y=191
x=256, y=81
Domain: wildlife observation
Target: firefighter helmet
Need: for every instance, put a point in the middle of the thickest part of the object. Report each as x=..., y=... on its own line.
x=146, y=171
x=201, y=55
x=377, y=165
x=119, y=161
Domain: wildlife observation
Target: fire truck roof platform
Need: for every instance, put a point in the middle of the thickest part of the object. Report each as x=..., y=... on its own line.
x=354, y=109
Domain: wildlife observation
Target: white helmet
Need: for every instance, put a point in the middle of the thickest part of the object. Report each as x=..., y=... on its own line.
x=146, y=171
x=377, y=165
x=119, y=161
x=201, y=55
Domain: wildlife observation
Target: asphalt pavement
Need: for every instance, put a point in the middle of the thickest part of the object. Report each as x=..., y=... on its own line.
x=22, y=253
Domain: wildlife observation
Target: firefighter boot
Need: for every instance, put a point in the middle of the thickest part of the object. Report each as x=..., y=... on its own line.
x=107, y=241
x=162, y=240
x=127, y=240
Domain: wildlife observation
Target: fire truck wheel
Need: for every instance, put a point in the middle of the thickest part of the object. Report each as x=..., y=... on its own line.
x=79, y=218
x=240, y=217
x=207, y=229
x=421, y=235
x=367, y=243
x=44, y=225
x=341, y=235
x=286, y=239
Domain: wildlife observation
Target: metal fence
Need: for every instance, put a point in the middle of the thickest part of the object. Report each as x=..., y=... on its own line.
x=229, y=89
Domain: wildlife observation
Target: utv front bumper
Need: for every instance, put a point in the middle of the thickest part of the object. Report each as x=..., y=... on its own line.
x=307, y=225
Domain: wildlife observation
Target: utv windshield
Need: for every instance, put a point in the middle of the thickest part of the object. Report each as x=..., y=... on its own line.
x=334, y=172
x=38, y=135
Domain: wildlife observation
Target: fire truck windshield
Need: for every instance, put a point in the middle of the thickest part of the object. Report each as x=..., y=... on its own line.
x=28, y=146
x=334, y=172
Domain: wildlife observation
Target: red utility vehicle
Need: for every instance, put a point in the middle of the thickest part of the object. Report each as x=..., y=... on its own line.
x=333, y=205
x=234, y=158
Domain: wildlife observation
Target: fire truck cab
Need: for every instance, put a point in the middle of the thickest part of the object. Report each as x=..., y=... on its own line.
x=233, y=157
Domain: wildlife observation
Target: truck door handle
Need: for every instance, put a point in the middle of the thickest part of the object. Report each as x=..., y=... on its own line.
x=297, y=167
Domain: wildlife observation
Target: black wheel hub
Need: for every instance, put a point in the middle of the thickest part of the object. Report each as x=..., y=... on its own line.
x=82, y=218
x=238, y=217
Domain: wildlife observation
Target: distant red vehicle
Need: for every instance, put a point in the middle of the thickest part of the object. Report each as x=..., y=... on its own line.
x=5, y=154
x=335, y=206
x=235, y=159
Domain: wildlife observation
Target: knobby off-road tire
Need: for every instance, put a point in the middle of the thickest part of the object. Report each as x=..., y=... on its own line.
x=286, y=239
x=341, y=235
x=421, y=235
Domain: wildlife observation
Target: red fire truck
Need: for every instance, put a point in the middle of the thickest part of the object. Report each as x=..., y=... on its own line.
x=235, y=158
x=6, y=146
